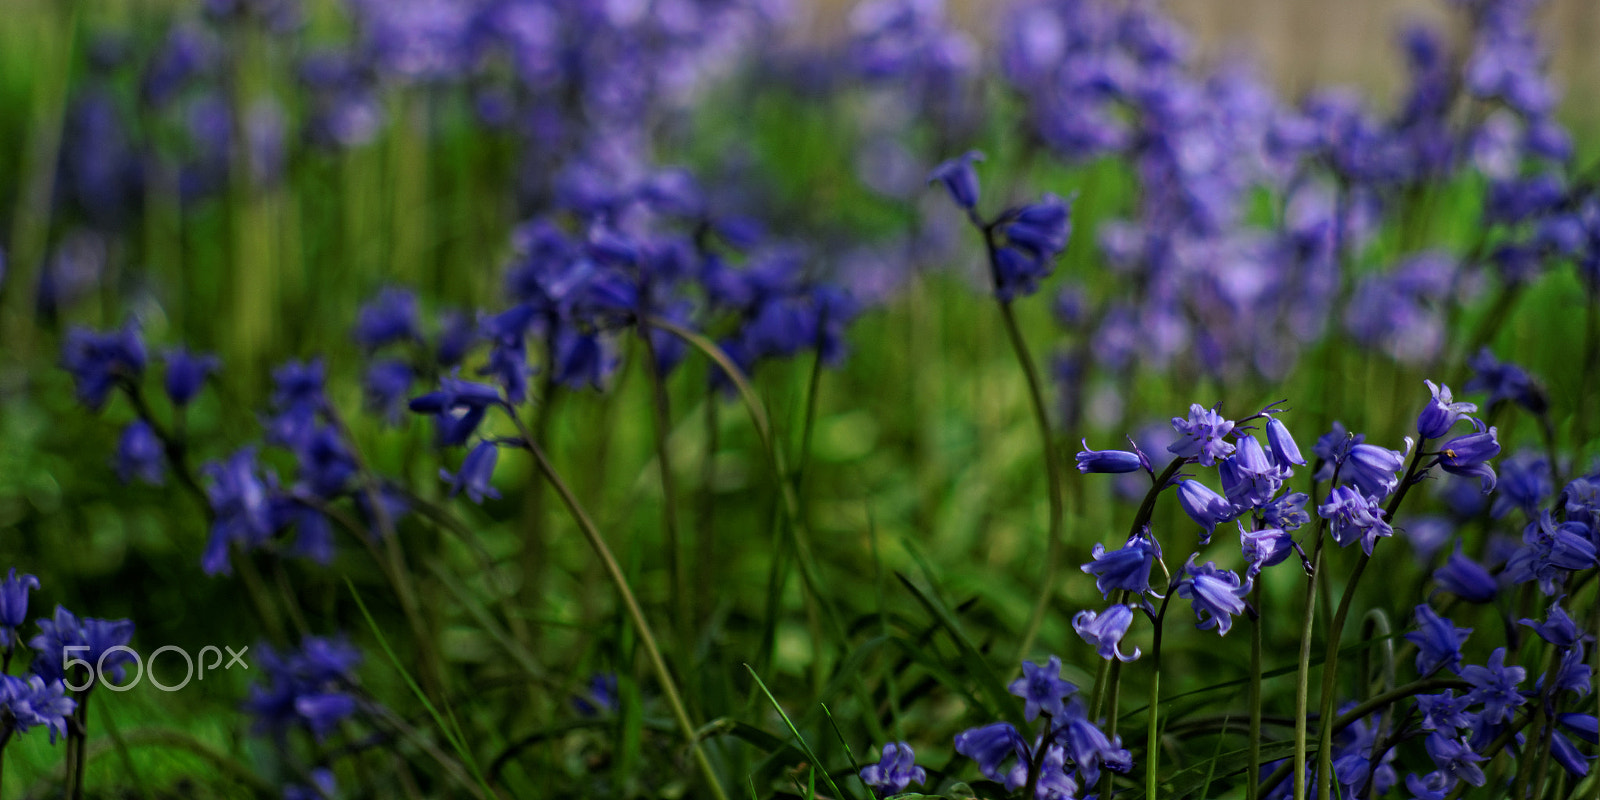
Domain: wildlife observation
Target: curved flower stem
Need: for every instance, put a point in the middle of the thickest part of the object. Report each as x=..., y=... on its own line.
x=1251, y=792
x=642, y=626
x=1041, y=417
x=1330, y=665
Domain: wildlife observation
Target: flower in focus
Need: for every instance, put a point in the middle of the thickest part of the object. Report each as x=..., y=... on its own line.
x=1354, y=517
x=1126, y=568
x=1202, y=436
x=1216, y=594
x=1042, y=689
x=1105, y=630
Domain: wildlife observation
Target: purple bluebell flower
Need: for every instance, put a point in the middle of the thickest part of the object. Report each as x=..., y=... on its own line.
x=34, y=701
x=457, y=334
x=992, y=746
x=141, y=455
x=105, y=639
x=300, y=384
x=388, y=318
x=325, y=463
x=1204, y=506
x=1466, y=579
x=1444, y=711
x=1054, y=781
x=241, y=504
x=1042, y=689
x=1432, y=786
x=1427, y=534
x=896, y=770
x=1565, y=753
x=1572, y=673
x=1105, y=630
x=960, y=179
x=308, y=688
x=1042, y=229
x=1558, y=628
x=1468, y=456
x=14, y=605
x=1354, y=517
x=1495, y=686
x=1250, y=477
x=322, y=786
x=1525, y=483
x=458, y=407
x=582, y=359
x=1441, y=413
x=507, y=333
x=1287, y=512
x=1438, y=641
x=386, y=384
x=1455, y=758
x=1109, y=461
x=1089, y=746
x=1373, y=469
x=98, y=360
x=1505, y=381
x=1203, y=436
x=187, y=374
x=1333, y=448
x=1126, y=568
x=1284, y=449
x=600, y=698
x=1216, y=594
x=1585, y=726
x=1581, y=499
x=476, y=473
x=321, y=713
x=1549, y=551
x=1266, y=547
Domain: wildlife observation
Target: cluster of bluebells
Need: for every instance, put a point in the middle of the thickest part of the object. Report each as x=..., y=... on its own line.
x=1022, y=242
x=41, y=697
x=1065, y=756
x=312, y=690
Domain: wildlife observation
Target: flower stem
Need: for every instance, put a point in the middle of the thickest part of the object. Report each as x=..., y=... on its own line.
x=1302, y=691
x=677, y=577
x=1152, y=754
x=647, y=639
x=1254, y=774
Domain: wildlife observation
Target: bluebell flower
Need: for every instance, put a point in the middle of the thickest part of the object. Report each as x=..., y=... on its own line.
x=1505, y=381
x=313, y=532
x=1333, y=448
x=1204, y=506
x=1525, y=483
x=1216, y=594
x=1558, y=628
x=1054, y=781
x=241, y=505
x=1266, y=547
x=1466, y=579
x=458, y=407
x=1455, y=758
x=1249, y=477
x=1373, y=469
x=187, y=374
x=98, y=360
x=1432, y=786
x=1581, y=499
x=1443, y=711
x=300, y=385
x=1550, y=551
x=322, y=713
x=457, y=334
x=1565, y=753
x=141, y=455
x=601, y=696
x=326, y=464
x=1287, y=512
x=1284, y=449
x=960, y=179
x=1110, y=461
x=1203, y=436
x=1427, y=534
x=322, y=787
x=1352, y=753
x=1441, y=413
x=1354, y=517
x=507, y=333
x=1105, y=630
x=388, y=318
x=1042, y=689
x=896, y=770
x=1438, y=641
x=100, y=636
x=1041, y=229
x=1017, y=273
x=386, y=385
x=308, y=688
x=1495, y=686
x=14, y=605
x=992, y=746
x=1468, y=455
x=582, y=359
x=34, y=701
x=1089, y=747
x=1585, y=726
x=476, y=474
x=1126, y=568
x=1572, y=673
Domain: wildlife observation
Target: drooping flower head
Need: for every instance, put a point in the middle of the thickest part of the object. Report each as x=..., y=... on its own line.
x=1438, y=641
x=1354, y=517
x=1441, y=413
x=1216, y=594
x=14, y=604
x=1126, y=568
x=1105, y=630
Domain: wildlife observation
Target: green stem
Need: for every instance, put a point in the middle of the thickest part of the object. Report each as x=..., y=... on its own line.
x=1251, y=792
x=1302, y=691
x=1152, y=749
x=677, y=576
x=641, y=626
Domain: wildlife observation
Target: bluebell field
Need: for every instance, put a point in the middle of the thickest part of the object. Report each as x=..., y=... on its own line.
x=555, y=398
